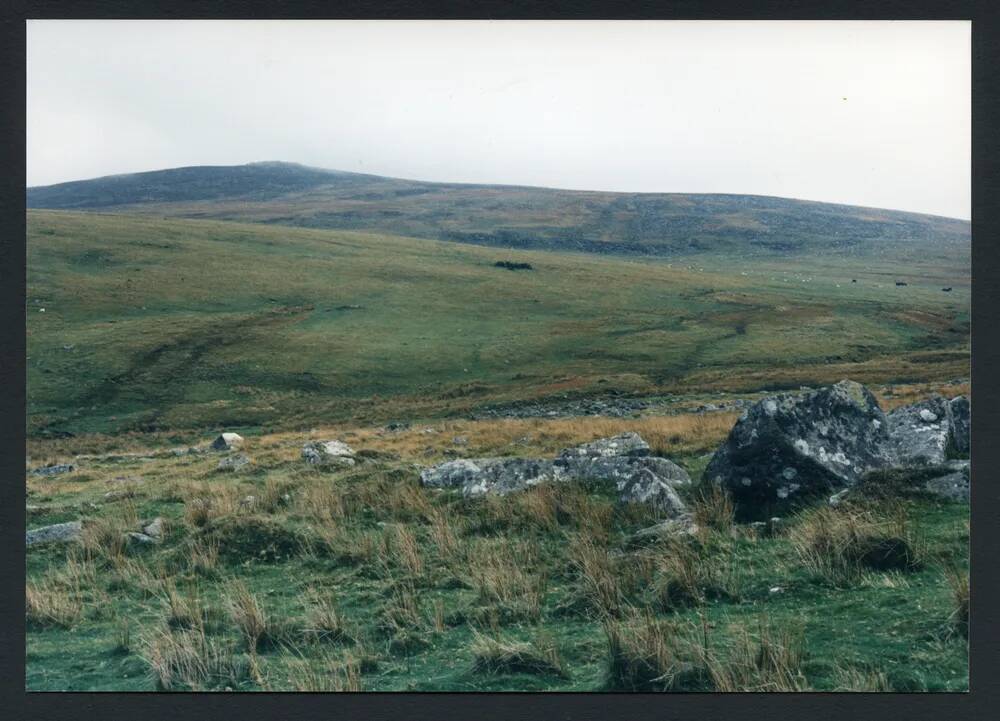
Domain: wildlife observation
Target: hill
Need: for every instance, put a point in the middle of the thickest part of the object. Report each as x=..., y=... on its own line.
x=663, y=224
x=137, y=323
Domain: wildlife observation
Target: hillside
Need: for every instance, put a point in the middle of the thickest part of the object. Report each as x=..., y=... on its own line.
x=139, y=324
x=515, y=217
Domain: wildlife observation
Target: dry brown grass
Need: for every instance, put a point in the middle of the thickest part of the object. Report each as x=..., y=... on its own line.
x=648, y=654
x=598, y=577
x=958, y=582
x=498, y=655
x=768, y=660
x=713, y=509
x=323, y=621
x=856, y=680
x=258, y=629
x=840, y=544
x=189, y=660
x=508, y=577
x=47, y=605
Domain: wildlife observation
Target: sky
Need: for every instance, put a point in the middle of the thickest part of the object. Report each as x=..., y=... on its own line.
x=857, y=112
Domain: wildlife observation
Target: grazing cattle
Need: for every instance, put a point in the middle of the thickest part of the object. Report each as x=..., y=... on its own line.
x=899, y=282
x=946, y=290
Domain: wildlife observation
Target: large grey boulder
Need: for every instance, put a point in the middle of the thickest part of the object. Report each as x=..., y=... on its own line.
x=920, y=432
x=635, y=476
x=227, y=442
x=797, y=444
x=324, y=453
x=57, y=533
x=481, y=476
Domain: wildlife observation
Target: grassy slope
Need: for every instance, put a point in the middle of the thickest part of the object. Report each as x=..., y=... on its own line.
x=183, y=324
x=523, y=217
x=886, y=625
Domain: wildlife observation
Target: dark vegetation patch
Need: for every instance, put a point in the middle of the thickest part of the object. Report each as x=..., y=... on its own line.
x=511, y=265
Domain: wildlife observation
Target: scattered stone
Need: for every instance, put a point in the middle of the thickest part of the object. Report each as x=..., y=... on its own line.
x=397, y=426
x=236, y=462
x=133, y=539
x=798, y=444
x=626, y=444
x=479, y=476
x=837, y=498
x=154, y=529
x=323, y=453
x=227, y=442
x=460, y=441
x=682, y=525
x=57, y=533
x=54, y=470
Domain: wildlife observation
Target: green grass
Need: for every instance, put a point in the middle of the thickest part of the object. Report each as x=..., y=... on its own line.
x=154, y=324
x=381, y=547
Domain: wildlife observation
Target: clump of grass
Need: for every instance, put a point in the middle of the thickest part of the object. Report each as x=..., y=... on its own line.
x=123, y=637
x=958, y=582
x=840, y=544
x=403, y=621
x=203, y=559
x=861, y=680
x=327, y=675
x=49, y=607
x=258, y=629
x=401, y=550
x=687, y=573
x=188, y=660
x=713, y=508
x=501, y=574
x=496, y=655
x=768, y=661
x=323, y=621
x=647, y=654
x=598, y=581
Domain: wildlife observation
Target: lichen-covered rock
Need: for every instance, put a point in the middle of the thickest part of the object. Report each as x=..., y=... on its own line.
x=626, y=444
x=798, y=444
x=233, y=463
x=57, y=533
x=682, y=525
x=227, y=442
x=959, y=415
x=322, y=453
x=54, y=470
x=953, y=483
x=480, y=476
x=635, y=476
x=920, y=432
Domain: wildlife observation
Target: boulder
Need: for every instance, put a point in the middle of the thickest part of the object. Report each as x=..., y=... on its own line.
x=236, y=462
x=54, y=470
x=321, y=453
x=920, y=432
x=682, y=525
x=627, y=444
x=480, y=476
x=797, y=444
x=636, y=476
x=959, y=413
x=227, y=442
x=139, y=540
x=58, y=533
x=953, y=483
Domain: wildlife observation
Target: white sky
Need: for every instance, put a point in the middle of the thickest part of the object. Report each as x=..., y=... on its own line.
x=867, y=113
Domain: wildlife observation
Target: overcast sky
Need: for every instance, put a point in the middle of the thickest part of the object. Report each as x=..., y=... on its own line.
x=867, y=113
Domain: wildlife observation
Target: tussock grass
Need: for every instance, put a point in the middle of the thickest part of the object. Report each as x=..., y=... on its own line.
x=648, y=654
x=324, y=622
x=497, y=655
x=958, y=584
x=767, y=659
x=840, y=544
x=861, y=680
x=259, y=630
x=507, y=578
x=47, y=606
x=190, y=661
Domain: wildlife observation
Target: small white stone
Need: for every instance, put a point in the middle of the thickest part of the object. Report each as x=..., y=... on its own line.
x=927, y=416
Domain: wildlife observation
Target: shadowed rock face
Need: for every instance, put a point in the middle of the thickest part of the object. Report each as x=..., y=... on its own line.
x=960, y=416
x=793, y=445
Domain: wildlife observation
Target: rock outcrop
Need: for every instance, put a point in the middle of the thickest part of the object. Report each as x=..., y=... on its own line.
x=798, y=444
x=960, y=416
x=622, y=462
x=54, y=470
x=235, y=462
x=928, y=432
x=57, y=533
x=328, y=453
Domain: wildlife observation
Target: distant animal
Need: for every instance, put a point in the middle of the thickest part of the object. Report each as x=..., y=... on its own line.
x=899, y=282
x=513, y=266
x=946, y=290
x=854, y=280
